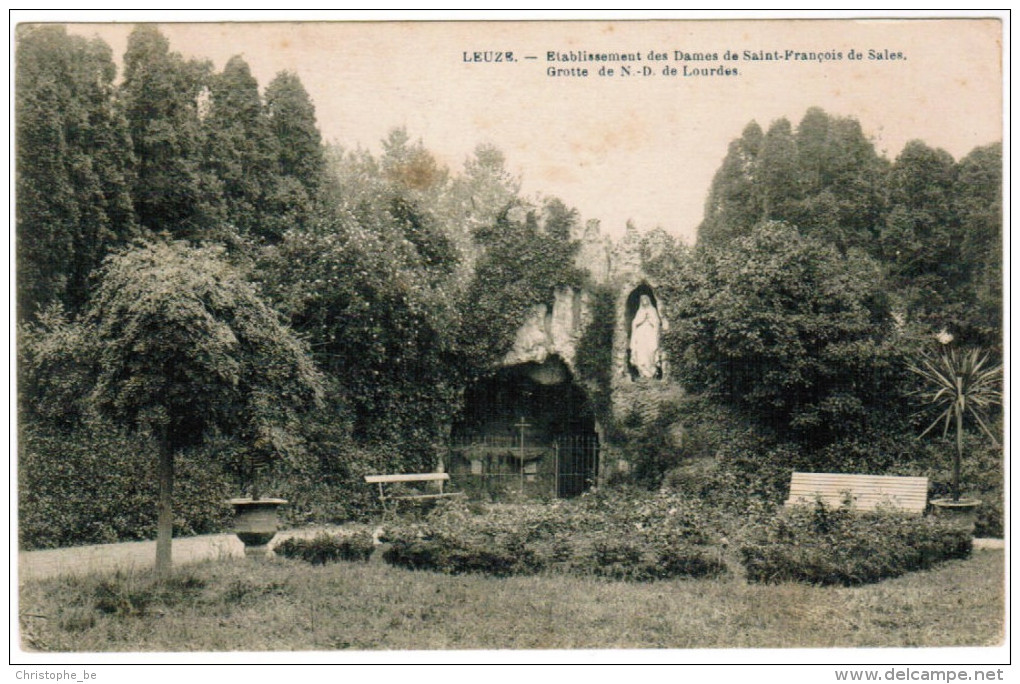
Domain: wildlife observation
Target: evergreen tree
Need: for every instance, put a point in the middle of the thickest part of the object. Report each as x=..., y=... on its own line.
x=978, y=198
x=240, y=149
x=300, y=158
x=826, y=179
x=841, y=179
x=920, y=240
x=291, y=117
x=731, y=208
x=73, y=166
x=161, y=93
x=776, y=182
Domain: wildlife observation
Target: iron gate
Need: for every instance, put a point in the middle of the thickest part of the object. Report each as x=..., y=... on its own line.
x=493, y=467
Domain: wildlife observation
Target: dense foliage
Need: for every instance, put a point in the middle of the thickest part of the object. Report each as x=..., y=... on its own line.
x=375, y=324
x=933, y=224
x=839, y=546
x=75, y=167
x=825, y=176
x=186, y=349
x=784, y=327
x=328, y=548
x=618, y=535
x=527, y=255
x=97, y=485
x=269, y=296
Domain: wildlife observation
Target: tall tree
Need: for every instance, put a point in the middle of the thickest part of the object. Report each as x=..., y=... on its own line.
x=474, y=200
x=826, y=179
x=921, y=239
x=73, y=167
x=978, y=198
x=776, y=181
x=292, y=120
x=240, y=149
x=161, y=93
x=731, y=208
x=842, y=182
x=300, y=156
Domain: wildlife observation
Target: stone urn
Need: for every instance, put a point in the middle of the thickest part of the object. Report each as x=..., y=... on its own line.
x=256, y=523
x=962, y=511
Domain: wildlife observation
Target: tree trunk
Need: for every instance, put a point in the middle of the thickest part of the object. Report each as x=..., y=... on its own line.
x=165, y=521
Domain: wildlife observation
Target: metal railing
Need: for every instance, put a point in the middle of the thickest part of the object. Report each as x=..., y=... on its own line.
x=495, y=467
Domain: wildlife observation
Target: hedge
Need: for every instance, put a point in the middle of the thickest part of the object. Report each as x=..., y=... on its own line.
x=620, y=536
x=820, y=545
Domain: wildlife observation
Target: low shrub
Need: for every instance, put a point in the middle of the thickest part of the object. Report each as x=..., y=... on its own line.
x=646, y=562
x=460, y=556
x=328, y=548
x=990, y=516
x=821, y=545
x=624, y=535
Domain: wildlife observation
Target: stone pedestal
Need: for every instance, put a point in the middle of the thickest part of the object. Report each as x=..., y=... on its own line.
x=256, y=523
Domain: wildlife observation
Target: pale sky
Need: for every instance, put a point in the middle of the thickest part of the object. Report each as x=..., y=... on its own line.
x=640, y=147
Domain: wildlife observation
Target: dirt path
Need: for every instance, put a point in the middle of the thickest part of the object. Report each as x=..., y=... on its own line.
x=81, y=560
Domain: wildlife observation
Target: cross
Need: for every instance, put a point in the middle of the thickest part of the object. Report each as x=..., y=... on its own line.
x=521, y=424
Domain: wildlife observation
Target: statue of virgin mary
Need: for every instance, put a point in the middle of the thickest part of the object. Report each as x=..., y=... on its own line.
x=644, y=339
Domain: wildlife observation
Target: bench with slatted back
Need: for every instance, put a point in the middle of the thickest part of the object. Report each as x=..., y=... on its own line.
x=383, y=480
x=866, y=492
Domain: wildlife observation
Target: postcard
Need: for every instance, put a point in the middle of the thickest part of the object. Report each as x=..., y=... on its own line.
x=602, y=340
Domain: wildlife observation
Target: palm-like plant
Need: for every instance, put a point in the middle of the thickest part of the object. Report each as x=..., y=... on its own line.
x=960, y=385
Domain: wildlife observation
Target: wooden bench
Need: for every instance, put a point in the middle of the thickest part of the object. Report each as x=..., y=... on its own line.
x=865, y=492
x=383, y=480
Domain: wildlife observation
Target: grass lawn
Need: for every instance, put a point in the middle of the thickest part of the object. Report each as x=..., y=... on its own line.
x=289, y=605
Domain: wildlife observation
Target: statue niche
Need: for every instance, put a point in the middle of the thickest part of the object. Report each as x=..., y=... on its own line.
x=644, y=355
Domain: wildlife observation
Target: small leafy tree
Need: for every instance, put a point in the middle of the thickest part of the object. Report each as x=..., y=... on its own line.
x=184, y=348
x=959, y=385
